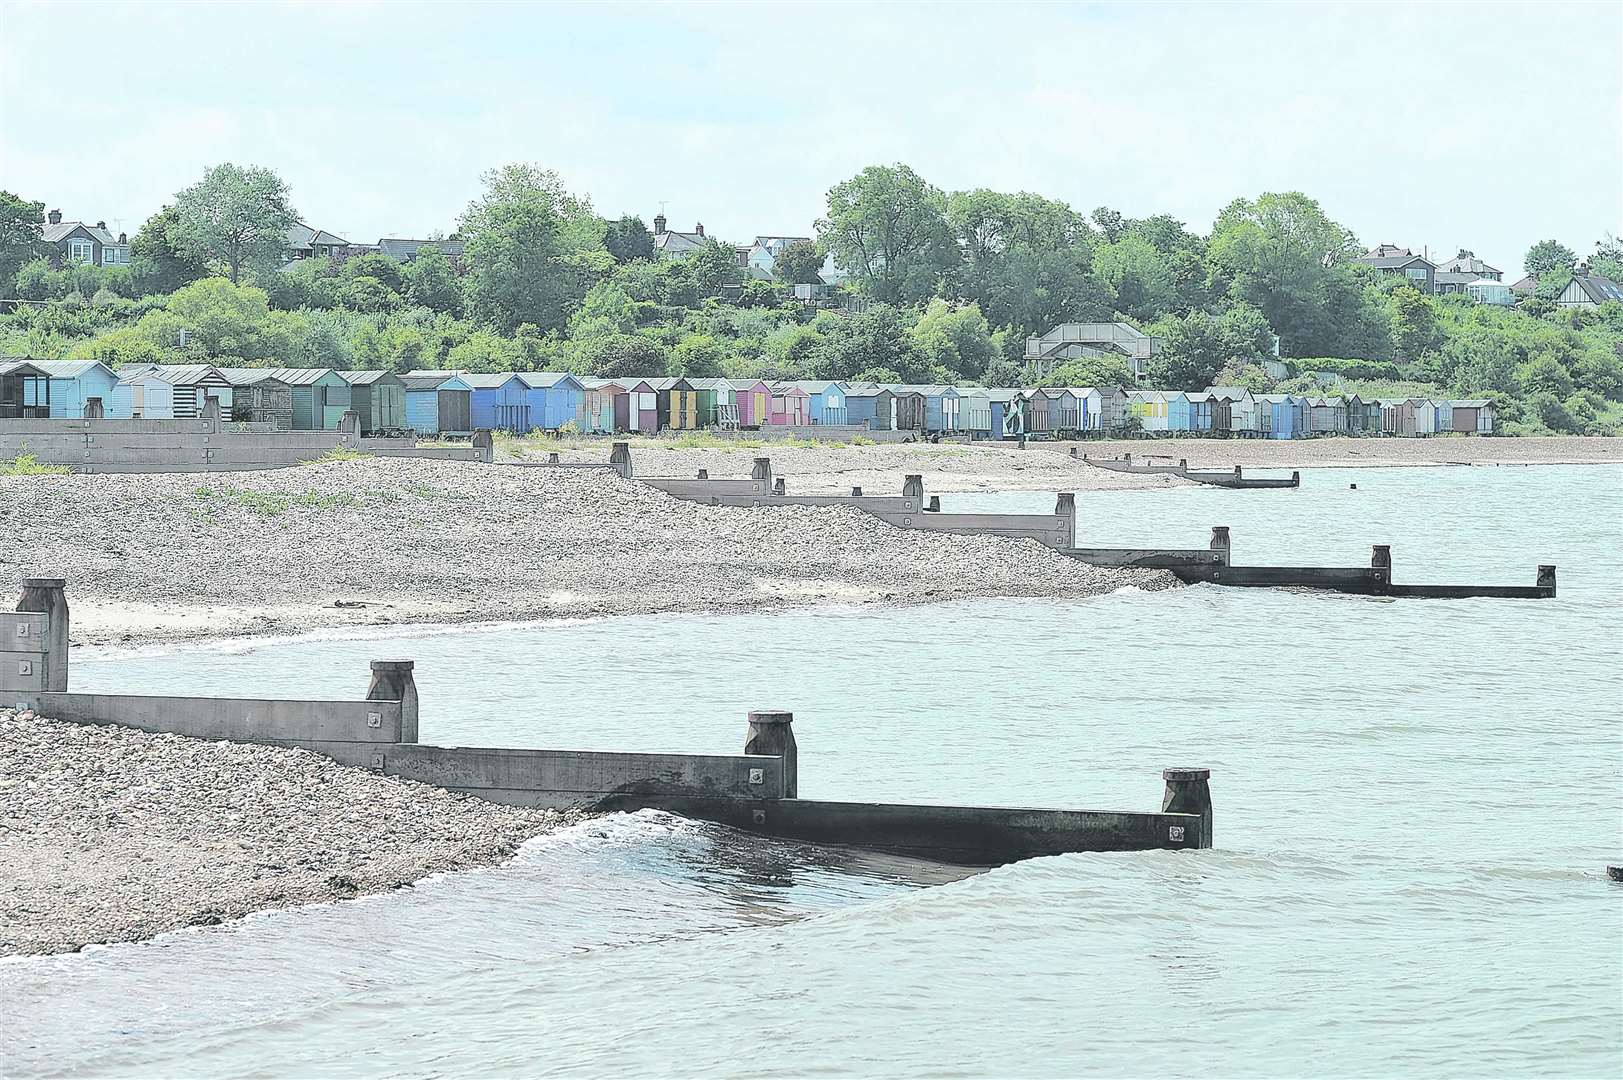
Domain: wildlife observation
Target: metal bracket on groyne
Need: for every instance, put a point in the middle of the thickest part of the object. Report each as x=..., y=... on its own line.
x=1235, y=479
x=756, y=791
x=1213, y=564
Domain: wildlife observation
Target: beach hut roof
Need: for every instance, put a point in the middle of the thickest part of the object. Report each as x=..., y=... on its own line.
x=1001, y=393
x=489, y=380
x=366, y=378
x=662, y=384
x=177, y=374
x=1228, y=393
x=68, y=369
x=302, y=376
x=1471, y=403
x=22, y=367
x=430, y=380
x=250, y=376
x=542, y=380
x=710, y=384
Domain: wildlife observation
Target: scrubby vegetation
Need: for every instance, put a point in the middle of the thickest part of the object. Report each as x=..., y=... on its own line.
x=943, y=288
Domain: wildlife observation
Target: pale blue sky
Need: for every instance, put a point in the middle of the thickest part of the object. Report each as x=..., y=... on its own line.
x=1479, y=125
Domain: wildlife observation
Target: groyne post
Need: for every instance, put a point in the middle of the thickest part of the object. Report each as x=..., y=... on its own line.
x=48, y=596
x=620, y=458
x=913, y=486
x=210, y=411
x=1546, y=577
x=704, y=474
x=935, y=504
x=1220, y=543
x=1380, y=561
x=778, y=487
x=1189, y=793
x=773, y=734
x=484, y=445
x=553, y=458
x=1237, y=474
x=1065, y=505
x=762, y=470
x=392, y=681
x=349, y=427
x=856, y=491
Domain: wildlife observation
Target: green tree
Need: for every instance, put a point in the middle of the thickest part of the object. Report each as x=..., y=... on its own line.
x=20, y=225
x=877, y=337
x=712, y=266
x=886, y=227
x=375, y=265
x=533, y=249
x=237, y=217
x=1414, y=322
x=1608, y=258
x=1138, y=276
x=1194, y=348
x=799, y=263
x=1090, y=371
x=624, y=356
x=957, y=339
x=699, y=356
x=607, y=309
x=161, y=267
x=628, y=240
x=431, y=281
x=1548, y=255
x=369, y=294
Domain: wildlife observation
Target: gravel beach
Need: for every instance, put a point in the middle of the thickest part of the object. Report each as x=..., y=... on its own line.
x=111, y=834
x=1047, y=466
x=389, y=541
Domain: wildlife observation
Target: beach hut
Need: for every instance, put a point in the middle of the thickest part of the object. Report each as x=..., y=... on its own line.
x=974, y=411
x=1007, y=420
x=642, y=404
x=908, y=402
x=1149, y=408
x=790, y=406
x=74, y=383
x=679, y=406
x=1234, y=411
x=754, y=400
x=1425, y=416
x=438, y=402
x=1326, y=416
x=378, y=399
x=556, y=398
x=168, y=391
x=499, y=401
x=825, y=401
x=1363, y=416
x=25, y=391
x=258, y=397
x=1397, y=417
x=872, y=407
x=941, y=409
x=716, y=406
x=1474, y=417
x=605, y=407
x=1279, y=416
x=1200, y=411
x=321, y=397
x=1041, y=408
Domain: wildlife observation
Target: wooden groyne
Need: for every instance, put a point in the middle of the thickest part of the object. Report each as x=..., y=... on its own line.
x=756, y=791
x=1235, y=479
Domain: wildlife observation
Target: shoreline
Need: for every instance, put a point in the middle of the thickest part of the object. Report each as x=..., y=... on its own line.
x=111, y=834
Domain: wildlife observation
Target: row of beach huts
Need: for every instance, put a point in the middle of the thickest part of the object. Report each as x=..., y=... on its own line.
x=430, y=403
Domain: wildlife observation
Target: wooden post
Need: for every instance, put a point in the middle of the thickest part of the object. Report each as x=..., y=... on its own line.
x=778, y=486
x=1380, y=560
x=773, y=734
x=1220, y=543
x=392, y=681
x=48, y=596
x=1189, y=793
x=484, y=445
x=620, y=458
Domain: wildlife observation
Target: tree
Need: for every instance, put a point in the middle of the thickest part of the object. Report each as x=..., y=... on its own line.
x=1138, y=276
x=957, y=339
x=622, y=356
x=628, y=240
x=699, y=356
x=712, y=266
x=876, y=337
x=1608, y=258
x=20, y=225
x=1195, y=347
x=236, y=216
x=160, y=266
x=431, y=281
x=886, y=227
x=378, y=266
x=1090, y=371
x=533, y=249
x=1548, y=255
x=1414, y=323
x=799, y=263
x=369, y=294
x=606, y=310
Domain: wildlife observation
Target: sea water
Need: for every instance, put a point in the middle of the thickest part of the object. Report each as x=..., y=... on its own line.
x=1414, y=804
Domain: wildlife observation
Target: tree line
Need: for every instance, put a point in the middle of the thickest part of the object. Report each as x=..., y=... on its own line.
x=943, y=287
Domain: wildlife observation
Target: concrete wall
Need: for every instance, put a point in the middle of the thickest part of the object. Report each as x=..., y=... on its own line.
x=201, y=445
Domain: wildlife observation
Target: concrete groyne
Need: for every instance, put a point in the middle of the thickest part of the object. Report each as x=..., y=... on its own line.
x=1212, y=478
x=756, y=791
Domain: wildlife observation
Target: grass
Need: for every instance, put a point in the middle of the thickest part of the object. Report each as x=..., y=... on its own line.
x=26, y=464
x=338, y=453
x=265, y=503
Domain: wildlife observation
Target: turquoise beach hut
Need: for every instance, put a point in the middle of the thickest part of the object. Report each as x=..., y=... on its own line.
x=73, y=383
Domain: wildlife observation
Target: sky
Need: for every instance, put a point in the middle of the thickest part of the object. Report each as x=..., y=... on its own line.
x=1432, y=126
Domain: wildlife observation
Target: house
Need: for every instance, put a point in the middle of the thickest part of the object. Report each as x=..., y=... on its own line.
x=1072, y=341
x=1525, y=286
x=825, y=401
x=1474, y=417
x=75, y=384
x=438, y=402
x=679, y=407
x=79, y=242
x=761, y=254
x=606, y=407
x=168, y=391
x=404, y=251
x=872, y=407
x=677, y=244
x=499, y=401
x=1452, y=276
x=303, y=242
x=1490, y=291
x=1393, y=261
x=790, y=406
x=321, y=397
x=754, y=400
x=556, y=398
x=1588, y=290
x=378, y=399
x=25, y=391
x=258, y=397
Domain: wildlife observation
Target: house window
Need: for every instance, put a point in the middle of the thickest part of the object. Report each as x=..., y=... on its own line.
x=81, y=250
x=1416, y=274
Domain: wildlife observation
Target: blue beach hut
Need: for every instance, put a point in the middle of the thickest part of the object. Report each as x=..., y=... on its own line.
x=74, y=382
x=825, y=401
x=1007, y=420
x=499, y=401
x=556, y=398
x=438, y=402
x=941, y=408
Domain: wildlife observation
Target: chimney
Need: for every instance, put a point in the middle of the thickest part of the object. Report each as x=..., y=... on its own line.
x=659, y=224
x=102, y=225
x=698, y=229
x=55, y=217
x=123, y=238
